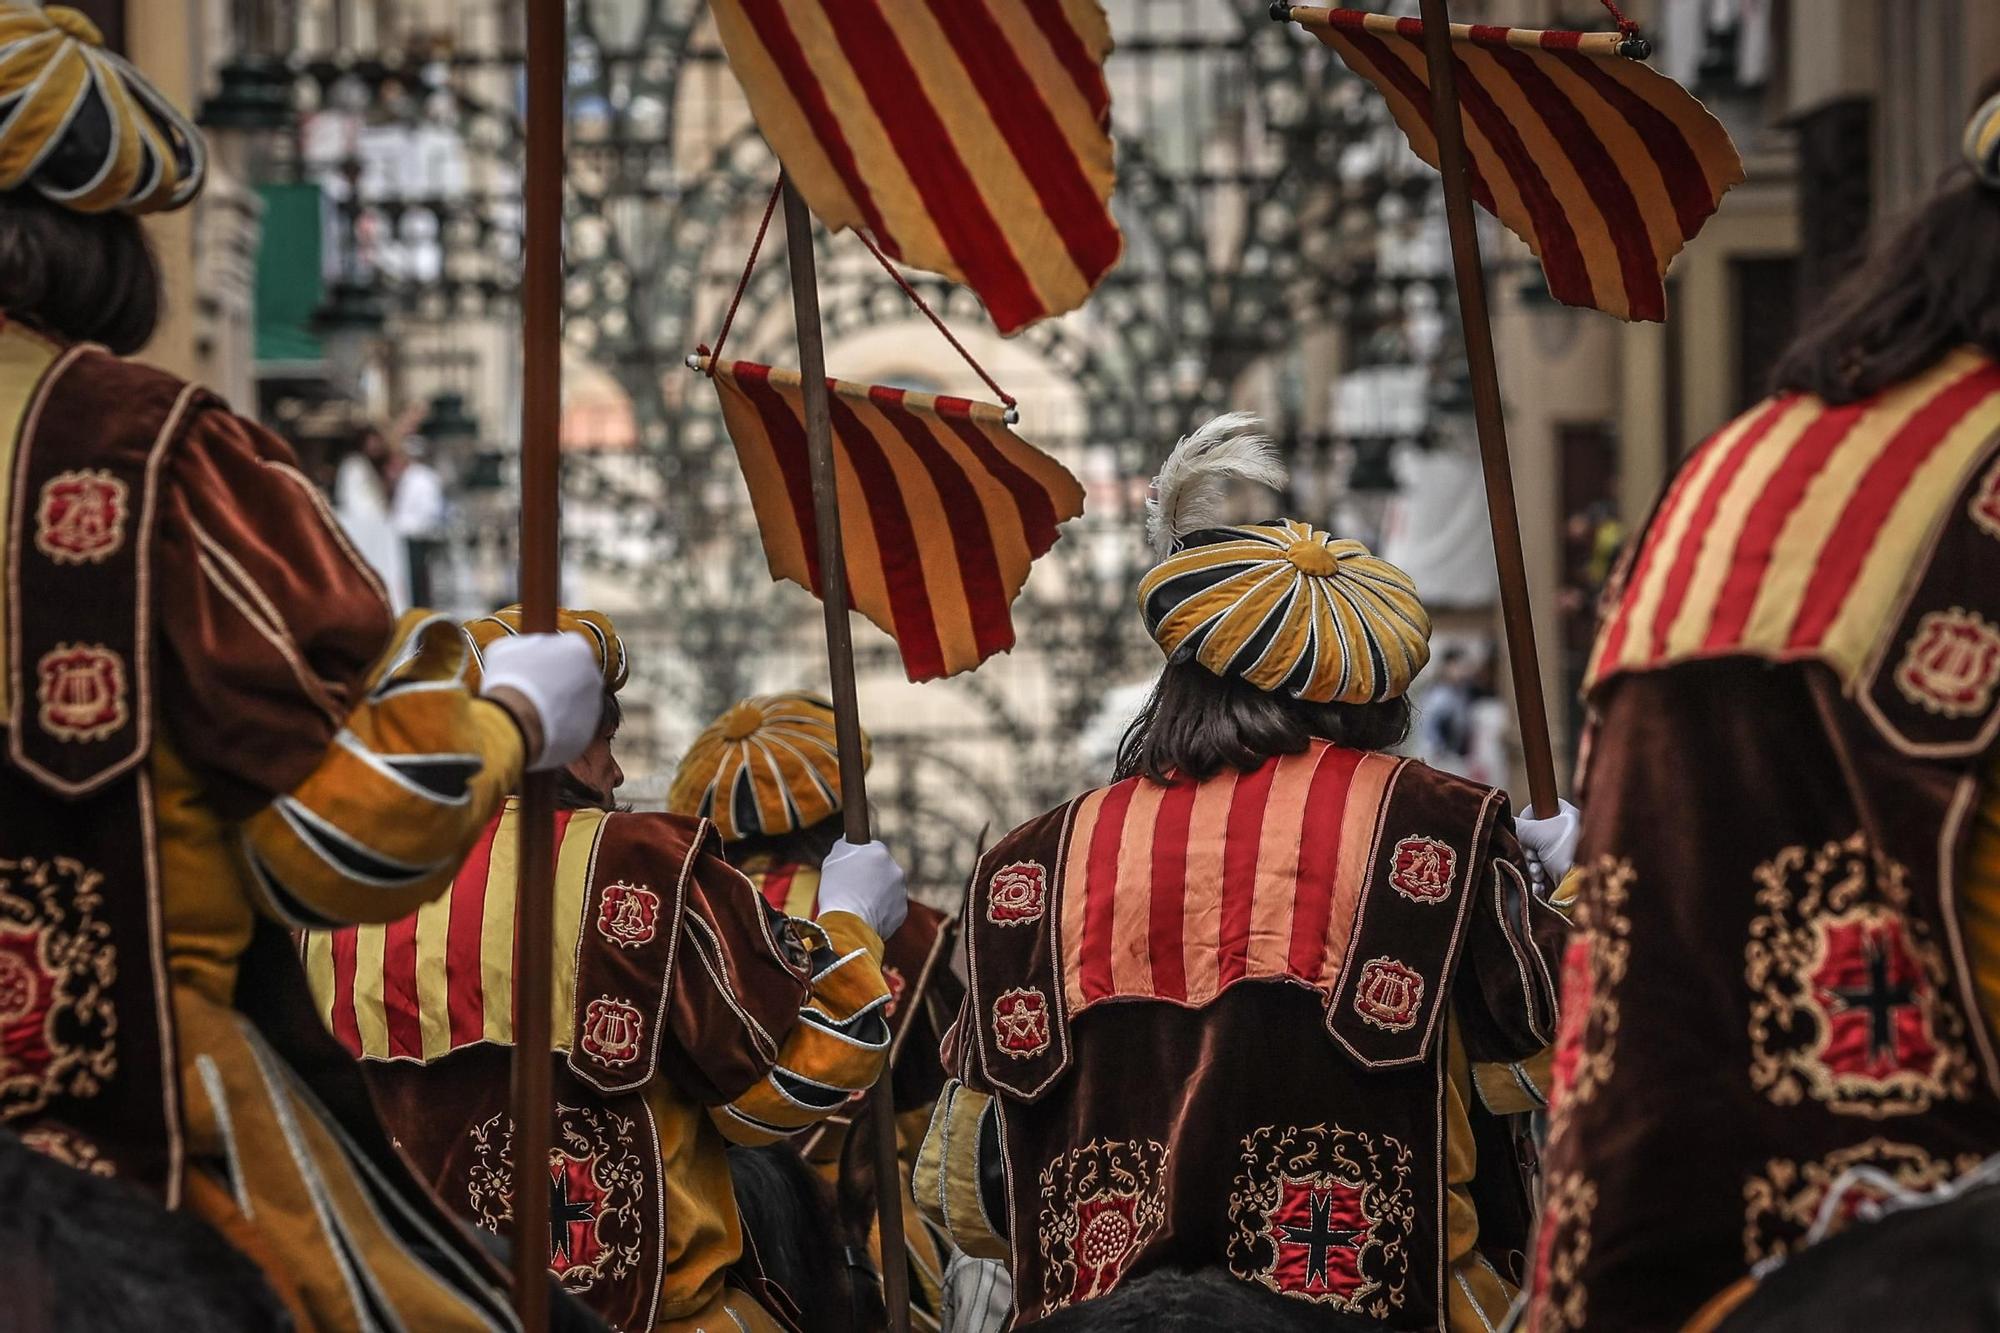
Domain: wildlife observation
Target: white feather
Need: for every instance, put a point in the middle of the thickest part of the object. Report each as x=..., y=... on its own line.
x=1203, y=473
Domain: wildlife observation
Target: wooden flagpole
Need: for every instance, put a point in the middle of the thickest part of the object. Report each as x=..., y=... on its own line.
x=541, y=407
x=1515, y=612
x=846, y=710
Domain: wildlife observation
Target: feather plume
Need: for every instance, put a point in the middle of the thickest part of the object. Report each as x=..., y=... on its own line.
x=1203, y=473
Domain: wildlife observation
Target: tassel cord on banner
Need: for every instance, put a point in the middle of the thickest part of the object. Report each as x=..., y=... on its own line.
x=916, y=299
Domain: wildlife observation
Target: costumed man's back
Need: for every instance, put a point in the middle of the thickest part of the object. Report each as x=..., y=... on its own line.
x=1789, y=892
x=767, y=772
x=1226, y=1012
x=688, y=1016
x=213, y=729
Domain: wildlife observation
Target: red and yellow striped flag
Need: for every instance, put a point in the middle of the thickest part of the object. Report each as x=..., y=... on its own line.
x=942, y=508
x=1605, y=167
x=969, y=137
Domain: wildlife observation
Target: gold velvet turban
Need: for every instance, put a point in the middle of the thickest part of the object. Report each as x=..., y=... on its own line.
x=1288, y=607
x=84, y=127
x=594, y=626
x=768, y=766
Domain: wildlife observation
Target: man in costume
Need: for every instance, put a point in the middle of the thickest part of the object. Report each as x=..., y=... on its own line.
x=1268, y=1002
x=767, y=772
x=1788, y=959
x=688, y=1016
x=213, y=725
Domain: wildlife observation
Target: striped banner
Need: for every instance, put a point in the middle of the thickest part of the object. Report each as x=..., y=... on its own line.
x=943, y=508
x=1790, y=533
x=1605, y=167
x=429, y=984
x=1176, y=893
x=968, y=137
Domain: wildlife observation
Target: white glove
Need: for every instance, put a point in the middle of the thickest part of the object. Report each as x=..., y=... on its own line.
x=559, y=677
x=1551, y=842
x=864, y=879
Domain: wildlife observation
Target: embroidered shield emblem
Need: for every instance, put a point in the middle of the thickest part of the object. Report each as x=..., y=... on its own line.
x=81, y=692
x=1389, y=994
x=1021, y=1023
x=576, y=1202
x=629, y=915
x=1324, y=1214
x=1951, y=664
x=58, y=1028
x=1873, y=997
x=1422, y=869
x=1017, y=895
x=598, y=1214
x=612, y=1031
x=1849, y=998
x=1100, y=1204
x=1782, y=1203
x=81, y=517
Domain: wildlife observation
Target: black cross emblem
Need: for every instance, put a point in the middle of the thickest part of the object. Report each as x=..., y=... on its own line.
x=1881, y=998
x=564, y=1213
x=1319, y=1236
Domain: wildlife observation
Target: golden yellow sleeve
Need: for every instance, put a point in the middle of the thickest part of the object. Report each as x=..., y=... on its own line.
x=946, y=1180
x=379, y=827
x=1979, y=903
x=837, y=1047
x=1515, y=1086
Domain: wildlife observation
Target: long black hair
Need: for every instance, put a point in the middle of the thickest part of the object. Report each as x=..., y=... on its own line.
x=1196, y=724
x=1932, y=286
x=82, y=277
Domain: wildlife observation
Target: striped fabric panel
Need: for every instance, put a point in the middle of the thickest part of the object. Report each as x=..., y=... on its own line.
x=443, y=978
x=1177, y=893
x=791, y=888
x=1788, y=534
x=942, y=507
x=969, y=137
x=1603, y=166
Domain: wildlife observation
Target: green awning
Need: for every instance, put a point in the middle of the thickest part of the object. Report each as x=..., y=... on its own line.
x=289, y=278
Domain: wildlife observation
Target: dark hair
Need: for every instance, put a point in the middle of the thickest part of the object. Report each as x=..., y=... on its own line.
x=1196, y=723
x=82, y=277
x=801, y=847
x=1932, y=286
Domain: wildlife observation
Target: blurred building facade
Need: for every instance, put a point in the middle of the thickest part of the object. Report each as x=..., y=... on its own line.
x=355, y=260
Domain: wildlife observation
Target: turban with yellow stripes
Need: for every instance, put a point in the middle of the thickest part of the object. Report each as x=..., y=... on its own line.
x=594, y=626
x=82, y=126
x=768, y=766
x=1982, y=142
x=1288, y=607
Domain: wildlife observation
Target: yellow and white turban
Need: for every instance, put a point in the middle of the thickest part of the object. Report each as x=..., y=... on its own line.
x=768, y=766
x=1288, y=607
x=594, y=626
x=84, y=127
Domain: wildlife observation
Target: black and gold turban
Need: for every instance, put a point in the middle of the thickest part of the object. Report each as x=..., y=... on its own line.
x=84, y=127
x=1288, y=607
x=594, y=626
x=768, y=766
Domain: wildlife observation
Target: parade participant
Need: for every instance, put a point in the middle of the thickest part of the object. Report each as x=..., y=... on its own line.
x=768, y=773
x=213, y=724
x=1227, y=1012
x=1788, y=955
x=688, y=1016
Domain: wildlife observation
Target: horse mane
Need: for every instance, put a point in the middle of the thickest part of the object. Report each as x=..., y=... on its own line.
x=787, y=1212
x=81, y=1253
x=1172, y=1301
